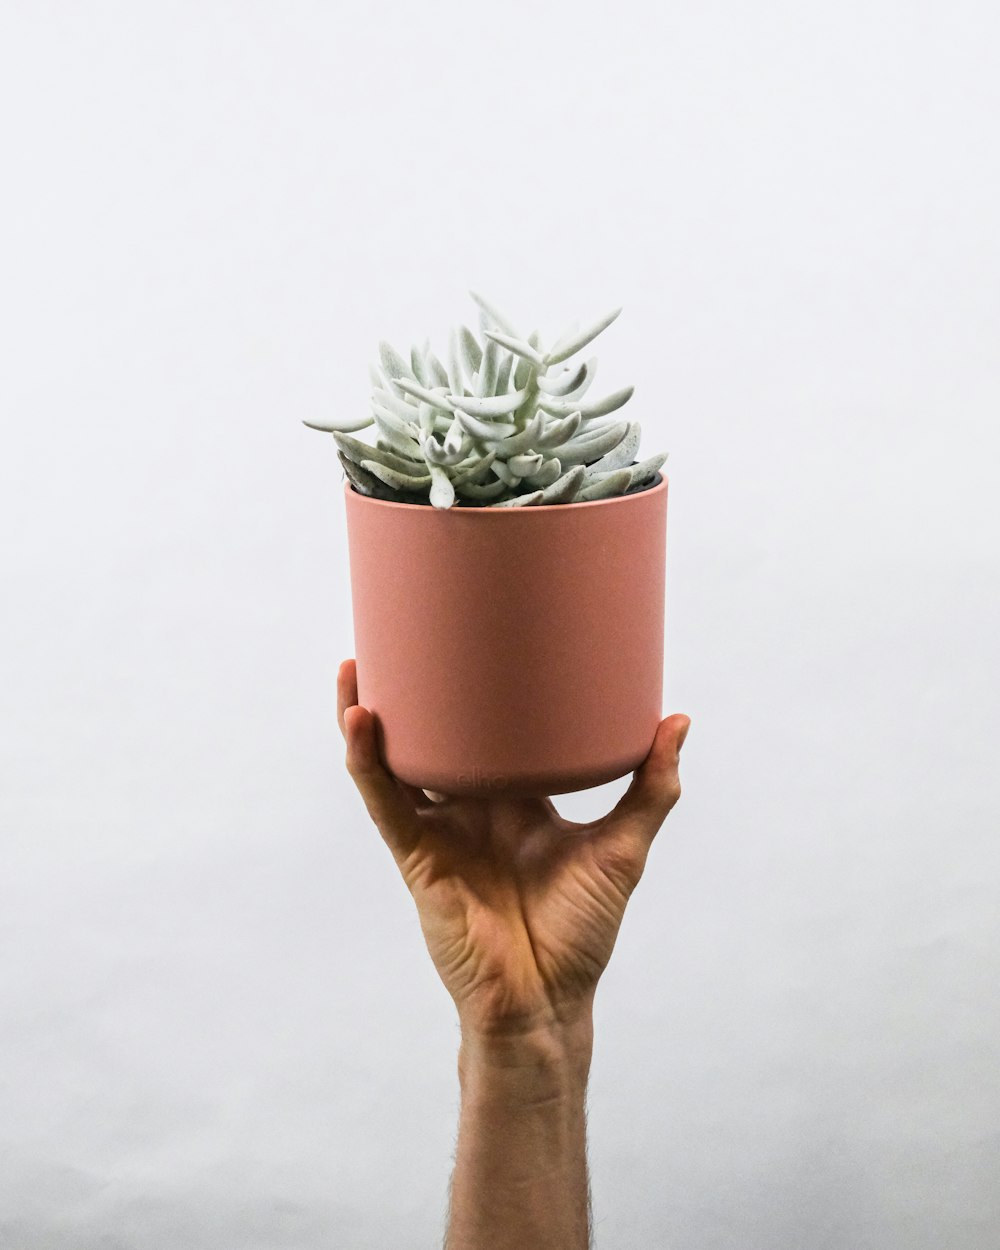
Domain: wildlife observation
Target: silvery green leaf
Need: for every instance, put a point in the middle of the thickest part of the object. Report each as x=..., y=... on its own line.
x=442, y=491
x=564, y=488
x=425, y=419
x=393, y=365
x=520, y=501
x=475, y=471
x=472, y=353
x=506, y=474
x=487, y=376
x=357, y=451
x=503, y=374
x=518, y=346
x=523, y=465
x=564, y=383
x=436, y=398
x=403, y=409
x=494, y=316
x=399, y=442
x=524, y=372
x=647, y=468
x=456, y=438
x=439, y=375
x=584, y=450
x=456, y=380
x=547, y=474
x=584, y=387
x=472, y=490
x=558, y=432
x=597, y=408
x=364, y=482
x=376, y=376
x=418, y=368
x=344, y=424
x=434, y=453
x=570, y=344
x=485, y=429
x=398, y=481
x=614, y=483
x=524, y=441
x=622, y=455
x=386, y=416
x=488, y=405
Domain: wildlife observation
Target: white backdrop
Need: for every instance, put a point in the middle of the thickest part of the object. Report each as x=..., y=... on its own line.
x=218, y=1025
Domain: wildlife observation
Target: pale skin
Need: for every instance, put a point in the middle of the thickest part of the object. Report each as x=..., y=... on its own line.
x=520, y=910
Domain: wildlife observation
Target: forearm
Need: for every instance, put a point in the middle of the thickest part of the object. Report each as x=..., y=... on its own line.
x=520, y=1179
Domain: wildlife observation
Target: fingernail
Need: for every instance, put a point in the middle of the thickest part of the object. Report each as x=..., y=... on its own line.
x=683, y=735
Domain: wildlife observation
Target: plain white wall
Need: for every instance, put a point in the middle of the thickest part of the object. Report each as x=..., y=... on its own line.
x=218, y=1025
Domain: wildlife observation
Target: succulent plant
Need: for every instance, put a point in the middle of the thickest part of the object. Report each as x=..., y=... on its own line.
x=495, y=427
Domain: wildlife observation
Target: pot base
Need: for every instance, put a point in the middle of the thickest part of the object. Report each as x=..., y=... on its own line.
x=482, y=785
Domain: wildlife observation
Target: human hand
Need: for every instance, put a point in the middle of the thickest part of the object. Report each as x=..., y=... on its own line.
x=520, y=908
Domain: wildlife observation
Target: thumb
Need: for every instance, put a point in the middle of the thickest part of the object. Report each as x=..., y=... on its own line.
x=388, y=805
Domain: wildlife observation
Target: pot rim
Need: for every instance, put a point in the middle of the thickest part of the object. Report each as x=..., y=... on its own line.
x=660, y=484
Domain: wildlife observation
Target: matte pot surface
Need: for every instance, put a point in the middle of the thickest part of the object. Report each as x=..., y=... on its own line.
x=513, y=650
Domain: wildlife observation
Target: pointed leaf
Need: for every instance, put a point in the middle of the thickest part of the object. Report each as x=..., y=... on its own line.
x=547, y=474
x=525, y=441
x=648, y=468
x=398, y=481
x=442, y=491
x=439, y=375
x=584, y=387
x=520, y=501
x=622, y=455
x=346, y=425
x=418, y=368
x=489, y=405
x=435, y=398
x=496, y=317
x=490, y=430
x=524, y=372
x=401, y=443
x=564, y=489
x=354, y=449
x=472, y=490
x=564, y=383
x=487, y=377
x=501, y=469
x=472, y=353
x=456, y=438
x=456, y=379
x=596, y=408
x=518, y=346
x=365, y=483
x=399, y=404
x=557, y=432
x=503, y=374
x=615, y=483
x=570, y=344
x=523, y=465
x=475, y=471
x=386, y=417
x=393, y=364
x=585, y=450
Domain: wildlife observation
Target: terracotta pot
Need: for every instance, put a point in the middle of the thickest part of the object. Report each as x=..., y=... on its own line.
x=513, y=650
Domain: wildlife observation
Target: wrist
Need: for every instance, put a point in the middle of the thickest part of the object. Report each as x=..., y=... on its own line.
x=544, y=1060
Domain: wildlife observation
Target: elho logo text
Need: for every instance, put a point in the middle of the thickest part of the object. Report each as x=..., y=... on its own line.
x=482, y=781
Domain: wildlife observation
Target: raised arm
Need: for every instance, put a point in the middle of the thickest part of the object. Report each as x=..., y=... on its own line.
x=520, y=910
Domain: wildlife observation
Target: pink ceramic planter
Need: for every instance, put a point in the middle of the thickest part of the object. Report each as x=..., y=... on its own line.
x=514, y=650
